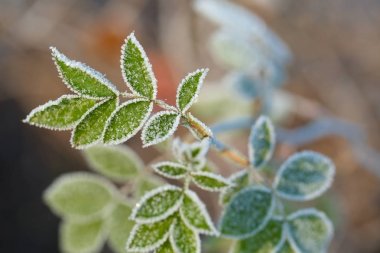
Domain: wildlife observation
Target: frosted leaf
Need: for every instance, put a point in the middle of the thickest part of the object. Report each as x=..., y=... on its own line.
x=165, y=248
x=120, y=227
x=286, y=248
x=61, y=114
x=170, y=169
x=261, y=142
x=148, y=237
x=247, y=213
x=158, y=204
x=136, y=69
x=209, y=181
x=126, y=121
x=269, y=239
x=304, y=176
x=90, y=128
x=238, y=181
x=195, y=215
x=82, y=79
x=189, y=88
x=160, y=127
x=79, y=196
x=184, y=239
x=193, y=154
x=119, y=163
x=198, y=128
x=146, y=184
x=309, y=231
x=82, y=237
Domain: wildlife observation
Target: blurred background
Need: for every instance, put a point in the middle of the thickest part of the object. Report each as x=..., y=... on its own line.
x=335, y=70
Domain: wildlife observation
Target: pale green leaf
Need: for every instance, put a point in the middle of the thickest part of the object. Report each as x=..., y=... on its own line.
x=127, y=120
x=79, y=195
x=146, y=184
x=150, y=236
x=261, y=142
x=184, y=239
x=89, y=130
x=286, y=248
x=85, y=237
x=195, y=215
x=209, y=181
x=193, y=155
x=247, y=213
x=160, y=127
x=304, y=176
x=136, y=69
x=120, y=227
x=189, y=88
x=158, y=204
x=170, y=169
x=82, y=79
x=267, y=240
x=61, y=114
x=239, y=181
x=165, y=248
x=309, y=231
x=119, y=163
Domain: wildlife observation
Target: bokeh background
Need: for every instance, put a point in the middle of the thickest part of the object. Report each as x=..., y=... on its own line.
x=336, y=66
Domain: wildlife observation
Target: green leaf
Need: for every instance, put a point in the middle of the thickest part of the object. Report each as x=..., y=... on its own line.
x=304, y=176
x=89, y=130
x=127, y=120
x=120, y=227
x=158, y=204
x=286, y=248
x=267, y=240
x=247, y=213
x=189, y=88
x=238, y=181
x=61, y=114
x=192, y=155
x=209, y=181
x=146, y=184
x=261, y=142
x=119, y=163
x=170, y=169
x=160, y=127
x=85, y=237
x=184, y=239
x=165, y=248
x=309, y=231
x=79, y=196
x=195, y=215
x=82, y=79
x=150, y=236
x=136, y=69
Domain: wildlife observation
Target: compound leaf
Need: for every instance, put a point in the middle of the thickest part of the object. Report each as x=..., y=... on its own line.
x=160, y=127
x=239, y=180
x=188, y=90
x=79, y=196
x=195, y=215
x=170, y=169
x=184, y=239
x=209, y=181
x=247, y=213
x=158, y=204
x=309, y=230
x=82, y=79
x=136, y=69
x=126, y=121
x=119, y=163
x=261, y=142
x=85, y=237
x=61, y=114
x=89, y=130
x=304, y=176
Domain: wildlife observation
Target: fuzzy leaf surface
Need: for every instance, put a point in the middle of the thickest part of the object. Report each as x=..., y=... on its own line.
x=261, y=142
x=136, y=69
x=90, y=128
x=82, y=79
x=85, y=237
x=184, y=239
x=210, y=181
x=61, y=114
x=286, y=248
x=170, y=169
x=165, y=248
x=126, y=121
x=118, y=163
x=248, y=211
x=79, y=195
x=238, y=181
x=304, y=176
x=160, y=127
